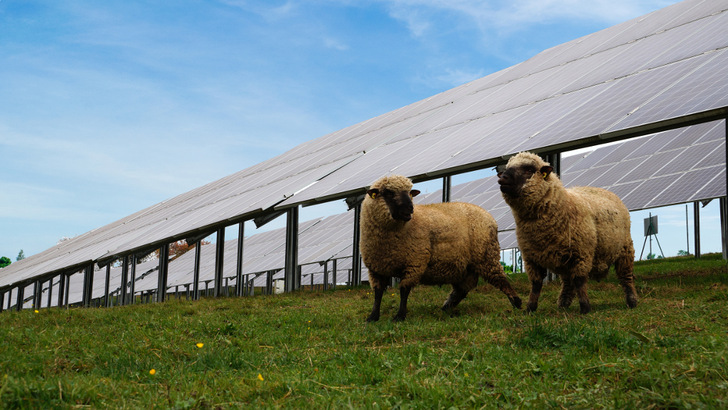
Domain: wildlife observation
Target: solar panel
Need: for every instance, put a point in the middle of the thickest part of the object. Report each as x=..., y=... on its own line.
x=608, y=175
x=704, y=89
x=647, y=190
x=715, y=132
x=648, y=147
x=649, y=167
x=713, y=188
x=507, y=240
x=715, y=157
x=683, y=186
x=691, y=156
x=622, y=151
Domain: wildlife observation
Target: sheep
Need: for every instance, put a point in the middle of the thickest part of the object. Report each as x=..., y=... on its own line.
x=447, y=243
x=578, y=233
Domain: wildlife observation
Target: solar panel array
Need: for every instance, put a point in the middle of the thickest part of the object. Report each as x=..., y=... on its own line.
x=689, y=165
x=666, y=69
x=666, y=168
x=321, y=240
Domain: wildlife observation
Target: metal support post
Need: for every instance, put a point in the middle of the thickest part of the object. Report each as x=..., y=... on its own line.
x=67, y=291
x=37, y=293
x=124, y=280
x=61, y=288
x=446, y=188
x=239, y=284
x=555, y=161
x=292, y=279
x=723, y=228
x=219, y=261
x=19, y=304
x=88, y=285
x=162, y=278
x=333, y=269
x=356, y=254
x=269, y=283
x=326, y=275
x=50, y=292
x=196, y=271
x=696, y=227
x=107, y=284
x=132, y=280
x=724, y=201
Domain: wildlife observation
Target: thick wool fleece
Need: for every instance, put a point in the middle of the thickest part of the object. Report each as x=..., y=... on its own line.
x=577, y=233
x=447, y=243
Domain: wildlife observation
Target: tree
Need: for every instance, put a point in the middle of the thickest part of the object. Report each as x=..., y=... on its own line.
x=682, y=253
x=177, y=249
x=5, y=261
x=21, y=256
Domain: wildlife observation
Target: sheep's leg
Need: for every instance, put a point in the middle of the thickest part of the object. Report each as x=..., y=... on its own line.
x=493, y=273
x=536, y=274
x=567, y=291
x=579, y=283
x=378, y=293
x=456, y=296
x=623, y=266
x=500, y=281
x=404, y=292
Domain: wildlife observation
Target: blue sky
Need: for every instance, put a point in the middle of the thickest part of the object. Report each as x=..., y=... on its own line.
x=109, y=107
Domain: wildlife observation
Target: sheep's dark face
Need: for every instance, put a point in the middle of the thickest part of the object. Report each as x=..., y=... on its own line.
x=399, y=203
x=513, y=178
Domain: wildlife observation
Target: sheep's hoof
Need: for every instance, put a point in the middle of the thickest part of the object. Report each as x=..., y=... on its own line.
x=585, y=307
x=632, y=301
x=373, y=318
x=531, y=307
x=398, y=318
x=564, y=303
x=516, y=302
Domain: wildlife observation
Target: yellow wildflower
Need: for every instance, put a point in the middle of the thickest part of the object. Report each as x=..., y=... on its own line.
x=260, y=377
x=199, y=345
x=152, y=372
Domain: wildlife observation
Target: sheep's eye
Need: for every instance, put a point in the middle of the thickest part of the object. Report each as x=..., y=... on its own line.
x=530, y=169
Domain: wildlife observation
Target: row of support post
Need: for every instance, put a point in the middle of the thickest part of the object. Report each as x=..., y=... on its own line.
x=292, y=273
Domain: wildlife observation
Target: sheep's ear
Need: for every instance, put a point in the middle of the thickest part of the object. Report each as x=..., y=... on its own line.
x=546, y=171
x=414, y=193
x=373, y=192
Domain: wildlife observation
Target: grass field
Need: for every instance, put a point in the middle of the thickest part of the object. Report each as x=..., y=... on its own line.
x=314, y=350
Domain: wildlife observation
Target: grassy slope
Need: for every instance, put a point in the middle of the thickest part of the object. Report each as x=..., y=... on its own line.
x=314, y=349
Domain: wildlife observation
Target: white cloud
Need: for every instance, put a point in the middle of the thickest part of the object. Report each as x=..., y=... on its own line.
x=335, y=44
x=507, y=17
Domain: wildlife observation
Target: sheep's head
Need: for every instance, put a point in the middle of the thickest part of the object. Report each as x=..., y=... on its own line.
x=524, y=174
x=396, y=193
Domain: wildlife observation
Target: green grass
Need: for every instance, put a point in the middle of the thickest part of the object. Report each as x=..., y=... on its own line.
x=314, y=350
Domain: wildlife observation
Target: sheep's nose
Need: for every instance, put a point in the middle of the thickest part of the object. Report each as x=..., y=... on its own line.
x=504, y=177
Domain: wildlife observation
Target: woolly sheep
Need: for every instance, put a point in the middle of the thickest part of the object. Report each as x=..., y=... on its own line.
x=453, y=243
x=577, y=233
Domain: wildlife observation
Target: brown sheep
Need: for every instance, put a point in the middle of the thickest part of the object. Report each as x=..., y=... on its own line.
x=453, y=243
x=578, y=233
